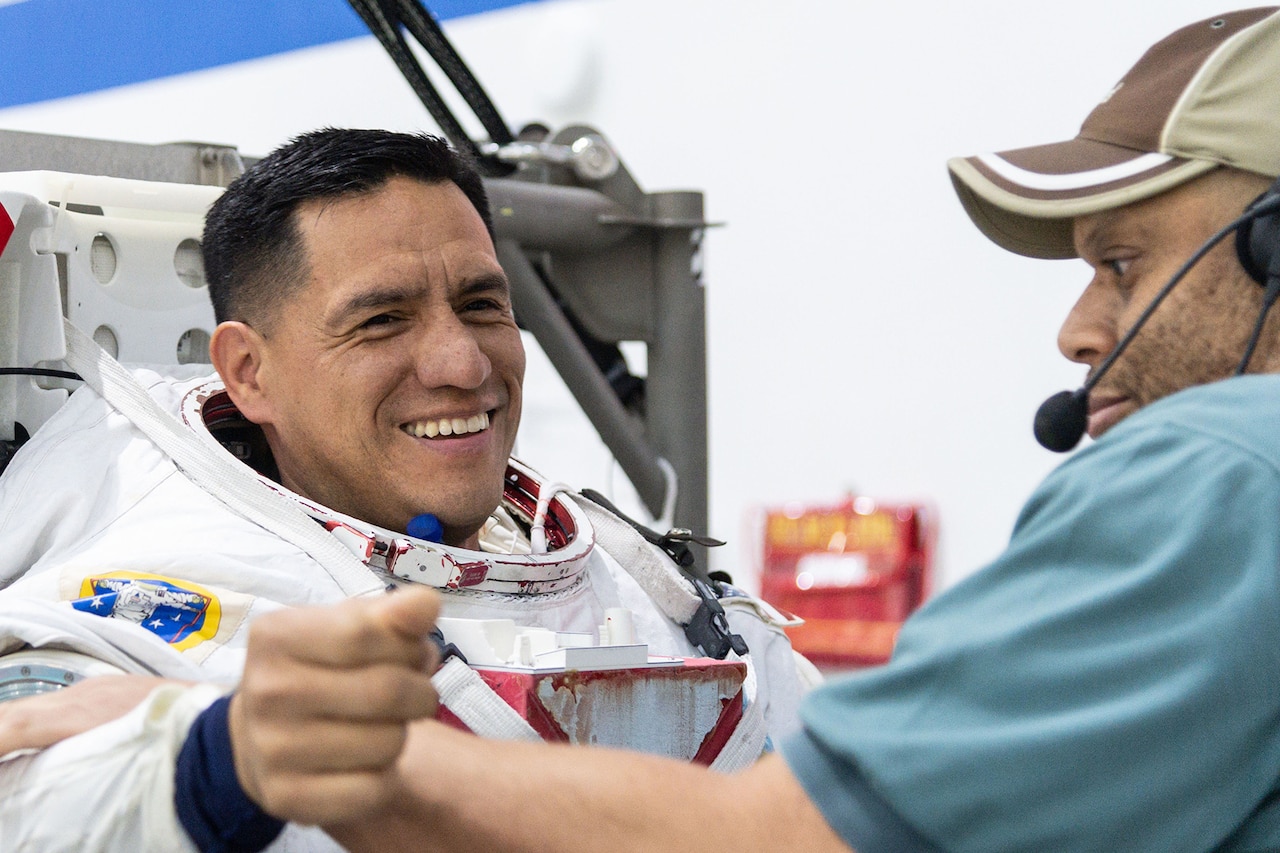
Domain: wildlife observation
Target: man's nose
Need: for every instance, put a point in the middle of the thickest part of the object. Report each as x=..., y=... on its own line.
x=1089, y=333
x=450, y=354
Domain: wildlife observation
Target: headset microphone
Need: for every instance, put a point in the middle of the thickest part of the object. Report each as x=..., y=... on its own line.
x=1062, y=419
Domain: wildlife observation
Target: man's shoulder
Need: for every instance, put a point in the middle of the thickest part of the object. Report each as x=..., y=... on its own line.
x=1218, y=438
x=1242, y=412
x=86, y=431
x=1253, y=392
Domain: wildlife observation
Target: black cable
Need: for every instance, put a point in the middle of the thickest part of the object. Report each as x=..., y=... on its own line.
x=387, y=31
x=424, y=27
x=39, y=371
x=386, y=19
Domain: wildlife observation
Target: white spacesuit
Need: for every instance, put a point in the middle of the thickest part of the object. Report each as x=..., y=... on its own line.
x=94, y=513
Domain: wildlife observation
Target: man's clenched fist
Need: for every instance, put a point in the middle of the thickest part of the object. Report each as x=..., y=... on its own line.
x=322, y=710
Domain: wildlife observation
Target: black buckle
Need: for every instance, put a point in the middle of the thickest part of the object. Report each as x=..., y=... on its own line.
x=675, y=541
x=709, y=628
x=445, y=648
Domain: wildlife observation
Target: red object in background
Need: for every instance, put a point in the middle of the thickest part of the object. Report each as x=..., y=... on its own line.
x=853, y=571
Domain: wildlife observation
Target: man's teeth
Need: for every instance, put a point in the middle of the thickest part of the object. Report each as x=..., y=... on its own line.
x=449, y=426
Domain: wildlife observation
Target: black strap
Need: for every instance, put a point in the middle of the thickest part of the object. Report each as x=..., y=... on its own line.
x=708, y=629
x=39, y=371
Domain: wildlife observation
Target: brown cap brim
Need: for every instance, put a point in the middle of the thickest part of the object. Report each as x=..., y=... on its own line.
x=1025, y=200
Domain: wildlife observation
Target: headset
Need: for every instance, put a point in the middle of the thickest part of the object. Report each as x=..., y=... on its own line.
x=1061, y=420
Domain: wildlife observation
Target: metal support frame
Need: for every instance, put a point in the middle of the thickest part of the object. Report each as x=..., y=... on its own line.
x=677, y=382
x=177, y=162
x=624, y=263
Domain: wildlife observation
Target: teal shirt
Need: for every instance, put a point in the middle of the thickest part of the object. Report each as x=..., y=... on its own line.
x=1110, y=682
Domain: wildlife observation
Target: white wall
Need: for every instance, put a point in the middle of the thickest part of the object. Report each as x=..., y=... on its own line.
x=862, y=334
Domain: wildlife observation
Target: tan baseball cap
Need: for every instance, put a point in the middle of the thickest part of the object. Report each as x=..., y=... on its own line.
x=1207, y=95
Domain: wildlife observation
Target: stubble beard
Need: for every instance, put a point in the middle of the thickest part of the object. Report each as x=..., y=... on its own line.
x=1195, y=337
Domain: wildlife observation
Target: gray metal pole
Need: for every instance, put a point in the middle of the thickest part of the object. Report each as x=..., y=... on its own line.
x=620, y=431
x=676, y=388
x=554, y=218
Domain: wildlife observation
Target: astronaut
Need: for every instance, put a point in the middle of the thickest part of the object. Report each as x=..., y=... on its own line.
x=369, y=372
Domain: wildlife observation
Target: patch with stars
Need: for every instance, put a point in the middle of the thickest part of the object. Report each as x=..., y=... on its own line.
x=181, y=613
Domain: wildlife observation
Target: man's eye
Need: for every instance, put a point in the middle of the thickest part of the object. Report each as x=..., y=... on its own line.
x=378, y=320
x=1119, y=266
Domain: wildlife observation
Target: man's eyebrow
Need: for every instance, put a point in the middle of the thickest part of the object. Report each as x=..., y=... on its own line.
x=487, y=281
x=391, y=295
x=1086, y=245
x=378, y=297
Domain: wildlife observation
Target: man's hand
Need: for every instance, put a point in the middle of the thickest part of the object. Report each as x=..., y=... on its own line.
x=39, y=721
x=322, y=711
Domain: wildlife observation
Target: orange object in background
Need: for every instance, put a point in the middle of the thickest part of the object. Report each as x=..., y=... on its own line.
x=853, y=571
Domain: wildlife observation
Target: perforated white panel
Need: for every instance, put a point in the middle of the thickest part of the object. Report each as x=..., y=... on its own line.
x=120, y=258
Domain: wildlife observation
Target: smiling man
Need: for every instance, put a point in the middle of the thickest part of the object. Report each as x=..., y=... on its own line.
x=366, y=326
x=390, y=385
x=369, y=373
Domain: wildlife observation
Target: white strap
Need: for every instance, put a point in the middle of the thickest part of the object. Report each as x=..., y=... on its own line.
x=644, y=561
x=473, y=701
x=744, y=746
x=217, y=473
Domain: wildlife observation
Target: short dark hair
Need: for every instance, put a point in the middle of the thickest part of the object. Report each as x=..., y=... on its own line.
x=252, y=248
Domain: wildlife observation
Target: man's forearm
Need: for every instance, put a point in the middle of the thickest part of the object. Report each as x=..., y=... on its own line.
x=331, y=725
x=35, y=722
x=464, y=793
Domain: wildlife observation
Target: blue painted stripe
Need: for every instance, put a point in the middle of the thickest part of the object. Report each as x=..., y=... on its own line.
x=56, y=48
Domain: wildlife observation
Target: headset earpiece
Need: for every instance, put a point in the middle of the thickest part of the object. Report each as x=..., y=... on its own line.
x=1258, y=240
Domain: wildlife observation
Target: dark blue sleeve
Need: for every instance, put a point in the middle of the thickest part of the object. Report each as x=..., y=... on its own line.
x=211, y=805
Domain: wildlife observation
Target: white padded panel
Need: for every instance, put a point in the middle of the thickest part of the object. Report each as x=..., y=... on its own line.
x=130, y=254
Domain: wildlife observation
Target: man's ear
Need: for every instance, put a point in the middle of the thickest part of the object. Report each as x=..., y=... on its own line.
x=238, y=353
